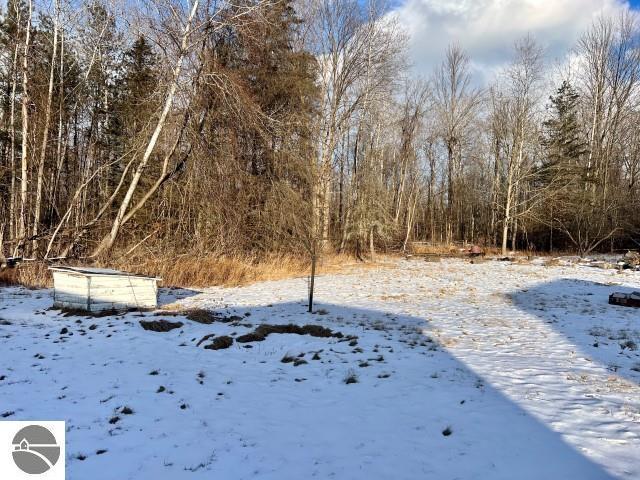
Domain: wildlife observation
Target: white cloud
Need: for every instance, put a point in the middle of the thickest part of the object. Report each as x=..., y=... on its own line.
x=487, y=29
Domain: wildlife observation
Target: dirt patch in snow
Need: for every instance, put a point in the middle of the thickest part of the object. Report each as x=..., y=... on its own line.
x=205, y=338
x=206, y=317
x=220, y=343
x=77, y=312
x=263, y=331
x=160, y=325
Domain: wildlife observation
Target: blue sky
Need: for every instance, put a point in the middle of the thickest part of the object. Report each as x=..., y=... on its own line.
x=487, y=29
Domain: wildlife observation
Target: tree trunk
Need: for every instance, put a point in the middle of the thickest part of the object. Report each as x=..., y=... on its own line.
x=312, y=279
x=372, y=249
x=507, y=214
x=60, y=151
x=12, y=153
x=22, y=230
x=325, y=194
x=410, y=215
x=45, y=137
x=450, y=191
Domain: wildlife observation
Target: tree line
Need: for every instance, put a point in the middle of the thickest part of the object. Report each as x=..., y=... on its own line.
x=262, y=126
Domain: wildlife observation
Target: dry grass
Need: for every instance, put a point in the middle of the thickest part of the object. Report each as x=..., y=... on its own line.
x=552, y=262
x=444, y=249
x=8, y=276
x=190, y=271
x=28, y=274
x=421, y=248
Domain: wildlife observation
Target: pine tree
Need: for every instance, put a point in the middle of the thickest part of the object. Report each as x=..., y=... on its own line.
x=139, y=81
x=133, y=103
x=564, y=143
x=281, y=79
x=134, y=106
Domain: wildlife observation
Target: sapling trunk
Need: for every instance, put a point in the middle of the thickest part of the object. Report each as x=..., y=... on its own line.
x=314, y=258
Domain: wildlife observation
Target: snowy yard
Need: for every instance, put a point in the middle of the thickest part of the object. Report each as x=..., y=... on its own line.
x=462, y=371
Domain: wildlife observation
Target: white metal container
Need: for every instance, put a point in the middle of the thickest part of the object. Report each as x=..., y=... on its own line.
x=98, y=289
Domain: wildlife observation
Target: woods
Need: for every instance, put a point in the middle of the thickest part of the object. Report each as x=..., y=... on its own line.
x=280, y=126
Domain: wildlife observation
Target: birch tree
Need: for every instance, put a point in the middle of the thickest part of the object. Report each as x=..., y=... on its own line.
x=358, y=52
x=523, y=83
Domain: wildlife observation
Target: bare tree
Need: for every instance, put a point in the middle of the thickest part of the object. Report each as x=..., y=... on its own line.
x=456, y=105
x=523, y=86
x=359, y=53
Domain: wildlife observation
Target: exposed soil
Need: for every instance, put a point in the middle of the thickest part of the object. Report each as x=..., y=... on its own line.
x=205, y=338
x=263, y=331
x=220, y=343
x=77, y=312
x=207, y=317
x=160, y=325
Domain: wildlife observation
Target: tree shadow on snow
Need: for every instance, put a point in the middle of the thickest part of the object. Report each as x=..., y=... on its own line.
x=580, y=311
x=416, y=411
x=407, y=413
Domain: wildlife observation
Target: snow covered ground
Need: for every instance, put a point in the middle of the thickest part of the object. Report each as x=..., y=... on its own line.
x=486, y=371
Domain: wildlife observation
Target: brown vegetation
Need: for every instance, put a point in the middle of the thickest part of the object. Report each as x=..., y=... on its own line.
x=29, y=274
x=187, y=271
x=191, y=271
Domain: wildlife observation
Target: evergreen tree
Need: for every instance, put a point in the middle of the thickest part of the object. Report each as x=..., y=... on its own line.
x=139, y=81
x=281, y=80
x=564, y=143
x=103, y=52
x=134, y=105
